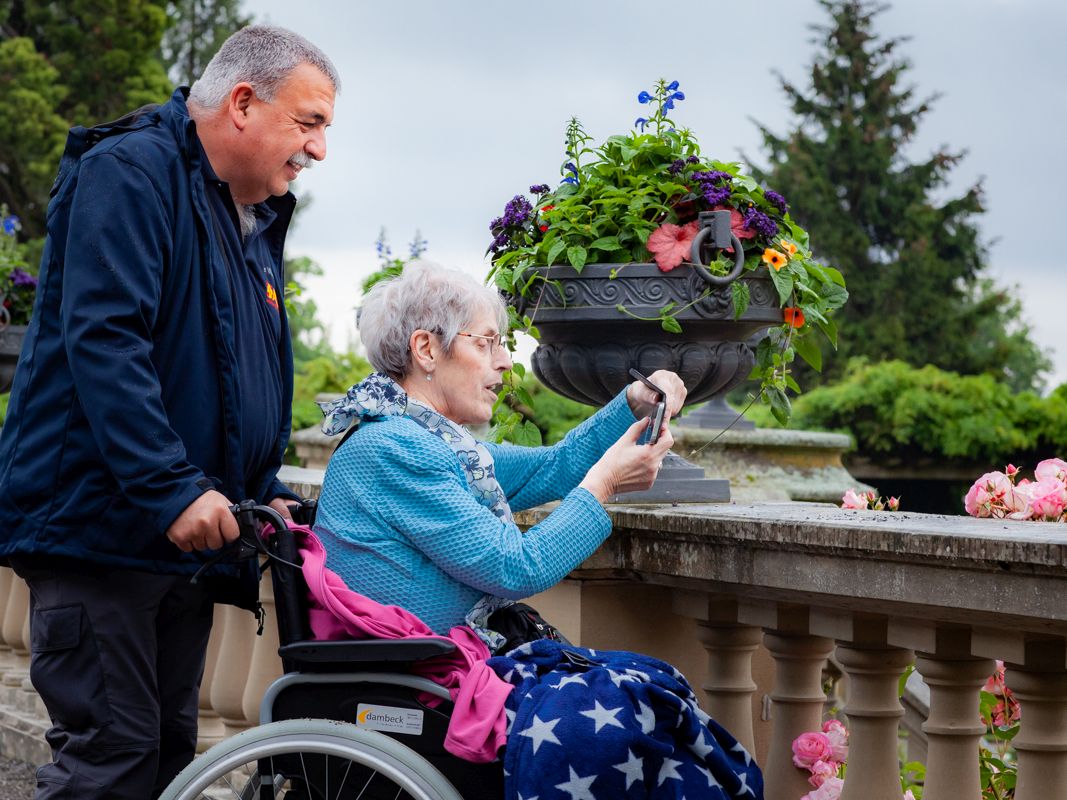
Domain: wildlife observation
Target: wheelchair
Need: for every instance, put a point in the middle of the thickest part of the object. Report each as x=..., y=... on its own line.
x=346, y=721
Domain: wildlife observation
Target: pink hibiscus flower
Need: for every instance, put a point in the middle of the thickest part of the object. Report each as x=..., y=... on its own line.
x=670, y=244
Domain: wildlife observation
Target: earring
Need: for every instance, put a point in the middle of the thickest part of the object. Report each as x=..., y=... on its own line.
x=429, y=377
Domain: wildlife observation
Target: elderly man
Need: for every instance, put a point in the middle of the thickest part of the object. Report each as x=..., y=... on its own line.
x=153, y=390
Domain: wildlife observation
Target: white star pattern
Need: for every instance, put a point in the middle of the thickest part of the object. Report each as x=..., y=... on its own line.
x=507, y=676
x=744, y=788
x=712, y=783
x=739, y=748
x=669, y=771
x=602, y=716
x=575, y=678
x=541, y=732
x=647, y=718
x=617, y=677
x=578, y=788
x=641, y=676
x=699, y=747
x=632, y=767
x=531, y=797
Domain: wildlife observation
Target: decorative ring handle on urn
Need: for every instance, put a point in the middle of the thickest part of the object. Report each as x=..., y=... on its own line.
x=716, y=224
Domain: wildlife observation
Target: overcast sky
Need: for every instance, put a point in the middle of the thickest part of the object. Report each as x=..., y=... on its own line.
x=449, y=108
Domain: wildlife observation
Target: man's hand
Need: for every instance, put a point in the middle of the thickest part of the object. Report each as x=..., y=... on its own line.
x=206, y=524
x=281, y=505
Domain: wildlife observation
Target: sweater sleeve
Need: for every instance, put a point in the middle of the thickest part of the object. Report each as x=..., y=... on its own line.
x=419, y=491
x=531, y=476
x=115, y=255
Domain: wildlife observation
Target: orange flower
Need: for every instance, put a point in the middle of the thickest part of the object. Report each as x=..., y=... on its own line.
x=775, y=258
x=789, y=248
x=794, y=317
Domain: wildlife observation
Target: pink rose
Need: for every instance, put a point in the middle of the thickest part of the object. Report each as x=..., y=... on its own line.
x=1048, y=497
x=838, y=736
x=670, y=244
x=1051, y=468
x=994, y=495
x=830, y=790
x=852, y=500
x=809, y=748
x=908, y=795
x=820, y=771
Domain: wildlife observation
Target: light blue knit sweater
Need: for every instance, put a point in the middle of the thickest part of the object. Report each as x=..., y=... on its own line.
x=400, y=525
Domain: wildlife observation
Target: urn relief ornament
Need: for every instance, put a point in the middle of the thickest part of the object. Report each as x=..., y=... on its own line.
x=649, y=255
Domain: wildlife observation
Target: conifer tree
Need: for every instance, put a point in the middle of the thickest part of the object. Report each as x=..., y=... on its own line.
x=914, y=260
x=195, y=32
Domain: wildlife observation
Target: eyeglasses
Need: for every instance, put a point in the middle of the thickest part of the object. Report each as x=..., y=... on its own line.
x=494, y=340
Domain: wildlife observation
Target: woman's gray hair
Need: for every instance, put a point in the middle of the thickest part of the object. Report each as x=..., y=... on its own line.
x=426, y=297
x=262, y=55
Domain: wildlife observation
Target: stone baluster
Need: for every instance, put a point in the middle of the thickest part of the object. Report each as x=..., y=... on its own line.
x=873, y=668
x=1040, y=686
x=797, y=704
x=15, y=615
x=7, y=656
x=729, y=685
x=952, y=727
x=266, y=665
x=210, y=729
x=231, y=668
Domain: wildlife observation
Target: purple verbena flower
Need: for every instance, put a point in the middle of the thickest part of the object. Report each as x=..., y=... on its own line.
x=540, y=188
x=19, y=277
x=500, y=241
x=517, y=211
x=776, y=200
x=759, y=222
x=716, y=195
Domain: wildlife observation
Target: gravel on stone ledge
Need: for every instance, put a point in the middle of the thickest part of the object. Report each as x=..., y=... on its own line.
x=17, y=780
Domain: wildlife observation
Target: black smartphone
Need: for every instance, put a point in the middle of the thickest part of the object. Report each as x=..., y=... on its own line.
x=656, y=420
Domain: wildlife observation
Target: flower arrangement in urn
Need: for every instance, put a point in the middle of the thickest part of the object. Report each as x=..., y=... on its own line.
x=18, y=285
x=637, y=198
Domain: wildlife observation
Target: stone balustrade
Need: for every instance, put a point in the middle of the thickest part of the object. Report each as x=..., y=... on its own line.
x=750, y=602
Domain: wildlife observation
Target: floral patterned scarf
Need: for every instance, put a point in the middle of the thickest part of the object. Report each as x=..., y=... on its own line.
x=378, y=396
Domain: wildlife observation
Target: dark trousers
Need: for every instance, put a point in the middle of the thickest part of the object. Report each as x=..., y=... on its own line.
x=117, y=658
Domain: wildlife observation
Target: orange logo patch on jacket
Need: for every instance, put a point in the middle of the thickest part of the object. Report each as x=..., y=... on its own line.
x=272, y=295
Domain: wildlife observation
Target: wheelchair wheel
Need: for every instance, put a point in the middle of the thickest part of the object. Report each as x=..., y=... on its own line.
x=310, y=759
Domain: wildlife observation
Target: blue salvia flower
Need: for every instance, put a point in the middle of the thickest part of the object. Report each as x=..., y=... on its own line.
x=669, y=103
x=570, y=179
x=418, y=245
x=644, y=97
x=672, y=86
x=569, y=166
x=640, y=122
x=678, y=96
x=12, y=225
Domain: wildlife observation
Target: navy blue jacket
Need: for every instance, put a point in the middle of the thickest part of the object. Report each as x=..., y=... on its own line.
x=125, y=405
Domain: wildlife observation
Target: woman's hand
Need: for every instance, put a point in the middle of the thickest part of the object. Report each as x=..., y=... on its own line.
x=642, y=400
x=628, y=466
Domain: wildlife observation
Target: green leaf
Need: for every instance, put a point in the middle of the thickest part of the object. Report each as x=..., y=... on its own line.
x=576, y=254
x=783, y=282
x=557, y=247
x=670, y=324
x=741, y=295
x=808, y=350
x=780, y=406
x=835, y=276
x=519, y=370
x=528, y=435
x=606, y=243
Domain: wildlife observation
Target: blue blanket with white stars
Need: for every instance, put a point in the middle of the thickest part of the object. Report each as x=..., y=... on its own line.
x=600, y=725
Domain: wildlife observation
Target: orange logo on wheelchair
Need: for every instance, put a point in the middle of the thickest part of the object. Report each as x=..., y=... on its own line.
x=272, y=295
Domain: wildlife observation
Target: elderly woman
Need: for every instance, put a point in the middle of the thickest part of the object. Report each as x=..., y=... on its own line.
x=417, y=513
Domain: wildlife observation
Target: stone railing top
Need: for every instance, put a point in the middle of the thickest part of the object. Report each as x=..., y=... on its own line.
x=938, y=569
x=777, y=438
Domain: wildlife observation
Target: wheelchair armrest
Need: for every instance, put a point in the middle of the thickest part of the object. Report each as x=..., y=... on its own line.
x=364, y=651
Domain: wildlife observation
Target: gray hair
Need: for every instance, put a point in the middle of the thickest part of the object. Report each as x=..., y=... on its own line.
x=426, y=297
x=262, y=55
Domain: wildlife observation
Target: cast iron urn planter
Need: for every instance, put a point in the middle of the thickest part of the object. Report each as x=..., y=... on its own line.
x=588, y=344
